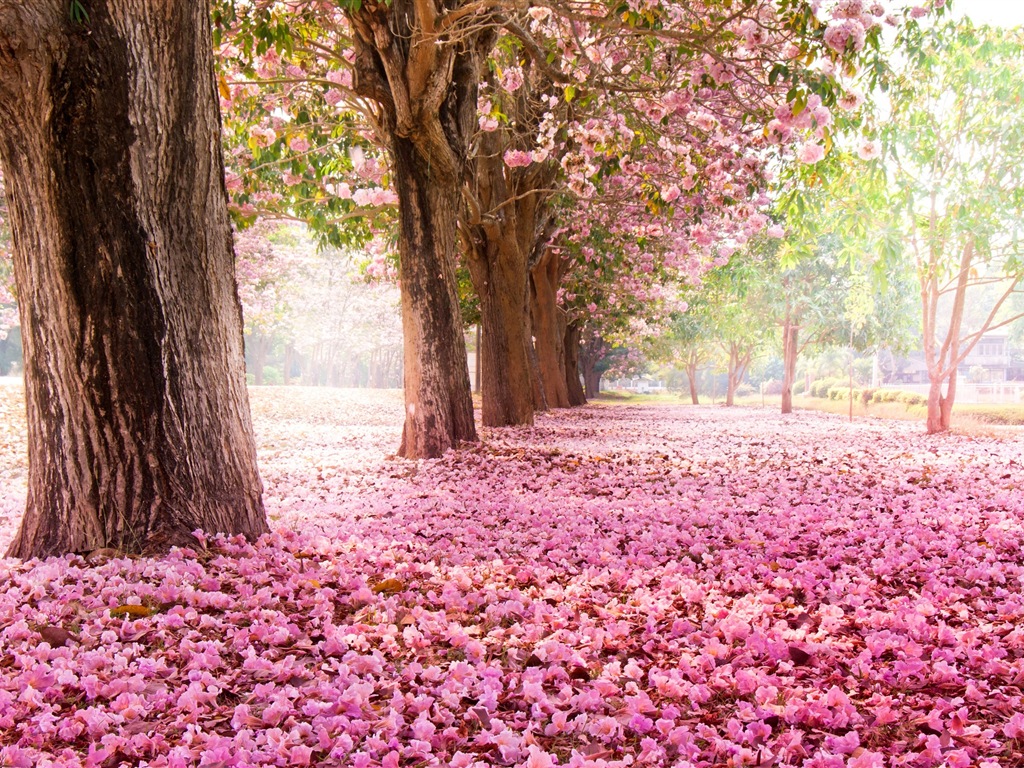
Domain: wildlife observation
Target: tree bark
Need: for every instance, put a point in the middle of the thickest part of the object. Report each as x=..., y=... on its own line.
x=790, y=349
x=425, y=87
x=549, y=328
x=577, y=397
x=504, y=217
x=138, y=421
x=438, y=400
x=691, y=378
x=940, y=406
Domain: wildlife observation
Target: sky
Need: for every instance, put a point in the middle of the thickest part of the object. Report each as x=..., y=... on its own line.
x=1005, y=13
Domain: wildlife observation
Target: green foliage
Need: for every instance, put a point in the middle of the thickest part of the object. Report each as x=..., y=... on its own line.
x=77, y=12
x=821, y=387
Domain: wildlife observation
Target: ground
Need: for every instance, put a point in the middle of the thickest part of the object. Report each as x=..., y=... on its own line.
x=618, y=585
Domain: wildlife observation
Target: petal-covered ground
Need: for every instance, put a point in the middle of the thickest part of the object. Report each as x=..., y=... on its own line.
x=616, y=586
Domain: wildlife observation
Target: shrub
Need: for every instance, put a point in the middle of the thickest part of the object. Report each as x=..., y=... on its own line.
x=912, y=398
x=272, y=376
x=820, y=387
x=799, y=386
x=743, y=390
x=867, y=395
x=838, y=392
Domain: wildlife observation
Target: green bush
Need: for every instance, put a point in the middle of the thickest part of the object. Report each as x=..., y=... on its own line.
x=272, y=376
x=799, y=386
x=744, y=390
x=839, y=392
x=912, y=398
x=867, y=395
x=820, y=387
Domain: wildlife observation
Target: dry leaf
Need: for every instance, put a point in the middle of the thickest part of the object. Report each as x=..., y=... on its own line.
x=134, y=611
x=55, y=636
x=388, y=587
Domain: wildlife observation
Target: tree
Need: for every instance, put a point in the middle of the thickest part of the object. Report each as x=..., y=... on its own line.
x=955, y=142
x=414, y=69
x=736, y=293
x=138, y=418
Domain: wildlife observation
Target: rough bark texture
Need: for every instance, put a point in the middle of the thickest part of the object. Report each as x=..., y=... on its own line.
x=439, y=406
x=790, y=348
x=549, y=328
x=422, y=69
x=592, y=356
x=499, y=232
x=574, y=387
x=138, y=420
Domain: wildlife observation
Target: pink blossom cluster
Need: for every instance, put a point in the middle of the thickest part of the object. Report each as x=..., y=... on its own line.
x=622, y=586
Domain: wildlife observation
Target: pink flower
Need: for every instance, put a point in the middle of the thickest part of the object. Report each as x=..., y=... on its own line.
x=537, y=758
x=869, y=150
x=1014, y=727
x=810, y=153
x=515, y=158
x=298, y=144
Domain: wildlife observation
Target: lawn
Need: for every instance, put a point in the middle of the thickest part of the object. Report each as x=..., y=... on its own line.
x=617, y=585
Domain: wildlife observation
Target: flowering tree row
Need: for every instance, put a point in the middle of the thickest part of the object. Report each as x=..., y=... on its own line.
x=538, y=122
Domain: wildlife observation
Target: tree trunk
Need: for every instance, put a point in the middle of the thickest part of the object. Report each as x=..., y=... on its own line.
x=438, y=400
x=691, y=378
x=573, y=331
x=591, y=381
x=591, y=355
x=940, y=407
x=289, y=356
x=549, y=328
x=500, y=231
x=138, y=419
x=424, y=85
x=498, y=270
x=790, y=350
x=260, y=343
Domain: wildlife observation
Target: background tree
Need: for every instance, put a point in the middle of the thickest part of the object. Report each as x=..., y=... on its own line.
x=138, y=416
x=953, y=144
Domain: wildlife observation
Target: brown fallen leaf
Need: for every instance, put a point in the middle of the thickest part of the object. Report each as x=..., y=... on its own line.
x=55, y=636
x=134, y=611
x=388, y=587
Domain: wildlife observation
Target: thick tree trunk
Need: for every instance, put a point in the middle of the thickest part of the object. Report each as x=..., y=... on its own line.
x=438, y=400
x=498, y=270
x=138, y=420
x=591, y=381
x=591, y=356
x=790, y=349
x=549, y=328
x=577, y=397
x=500, y=232
x=425, y=85
x=940, y=406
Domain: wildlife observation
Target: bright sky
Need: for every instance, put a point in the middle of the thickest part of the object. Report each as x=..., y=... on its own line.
x=1005, y=13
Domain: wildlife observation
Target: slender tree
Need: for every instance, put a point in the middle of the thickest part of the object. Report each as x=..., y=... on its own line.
x=138, y=419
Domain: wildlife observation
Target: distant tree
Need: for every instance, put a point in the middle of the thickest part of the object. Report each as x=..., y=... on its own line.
x=954, y=144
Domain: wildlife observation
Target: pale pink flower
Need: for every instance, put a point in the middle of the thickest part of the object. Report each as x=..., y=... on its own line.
x=810, y=153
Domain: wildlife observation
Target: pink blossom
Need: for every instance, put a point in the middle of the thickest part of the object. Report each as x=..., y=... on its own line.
x=515, y=158
x=810, y=153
